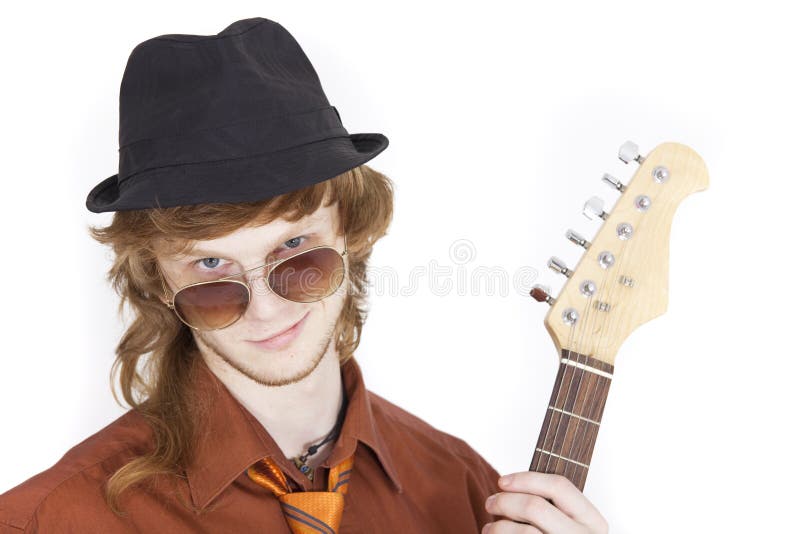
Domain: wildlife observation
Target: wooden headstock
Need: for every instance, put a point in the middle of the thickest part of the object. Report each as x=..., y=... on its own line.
x=621, y=280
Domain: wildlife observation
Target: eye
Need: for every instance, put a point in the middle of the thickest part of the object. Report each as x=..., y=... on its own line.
x=209, y=263
x=294, y=242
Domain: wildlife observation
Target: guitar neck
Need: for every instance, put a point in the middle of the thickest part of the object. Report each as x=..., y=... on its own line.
x=570, y=427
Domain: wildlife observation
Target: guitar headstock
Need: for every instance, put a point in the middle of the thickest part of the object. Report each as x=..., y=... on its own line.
x=621, y=281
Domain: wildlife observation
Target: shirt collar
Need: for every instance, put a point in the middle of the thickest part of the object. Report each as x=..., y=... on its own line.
x=230, y=438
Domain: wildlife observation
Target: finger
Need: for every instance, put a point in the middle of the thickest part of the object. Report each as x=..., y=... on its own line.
x=560, y=490
x=532, y=509
x=506, y=526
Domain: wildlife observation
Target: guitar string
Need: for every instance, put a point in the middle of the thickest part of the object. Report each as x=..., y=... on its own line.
x=575, y=370
x=571, y=344
x=555, y=400
x=590, y=302
x=591, y=400
x=614, y=319
x=581, y=349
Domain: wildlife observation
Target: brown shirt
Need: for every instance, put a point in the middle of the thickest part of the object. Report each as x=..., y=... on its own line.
x=408, y=477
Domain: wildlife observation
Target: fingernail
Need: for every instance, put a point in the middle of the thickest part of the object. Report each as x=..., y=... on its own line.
x=485, y=528
x=505, y=480
x=491, y=499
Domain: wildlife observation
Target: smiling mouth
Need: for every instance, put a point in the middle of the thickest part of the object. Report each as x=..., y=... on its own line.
x=284, y=337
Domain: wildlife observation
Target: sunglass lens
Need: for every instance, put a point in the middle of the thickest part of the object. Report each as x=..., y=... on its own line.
x=309, y=276
x=212, y=305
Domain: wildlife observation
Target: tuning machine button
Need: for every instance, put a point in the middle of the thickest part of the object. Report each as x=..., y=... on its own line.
x=593, y=209
x=629, y=151
x=542, y=294
x=613, y=182
x=559, y=266
x=577, y=238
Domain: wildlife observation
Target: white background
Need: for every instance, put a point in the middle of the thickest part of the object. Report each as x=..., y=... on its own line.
x=501, y=121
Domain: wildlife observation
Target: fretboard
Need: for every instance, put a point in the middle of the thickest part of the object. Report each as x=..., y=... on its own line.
x=570, y=426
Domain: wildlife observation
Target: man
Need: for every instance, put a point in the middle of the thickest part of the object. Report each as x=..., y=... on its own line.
x=245, y=216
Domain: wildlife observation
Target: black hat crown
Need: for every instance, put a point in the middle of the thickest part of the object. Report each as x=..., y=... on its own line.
x=235, y=117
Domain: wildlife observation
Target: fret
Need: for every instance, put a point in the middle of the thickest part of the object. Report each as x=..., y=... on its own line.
x=572, y=419
x=585, y=367
x=573, y=414
x=563, y=458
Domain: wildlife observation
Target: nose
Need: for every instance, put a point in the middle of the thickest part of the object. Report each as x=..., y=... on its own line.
x=265, y=306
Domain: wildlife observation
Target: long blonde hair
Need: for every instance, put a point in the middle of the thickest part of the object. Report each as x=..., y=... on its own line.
x=155, y=358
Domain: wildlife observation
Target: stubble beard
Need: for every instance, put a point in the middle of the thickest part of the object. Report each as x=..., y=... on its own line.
x=319, y=353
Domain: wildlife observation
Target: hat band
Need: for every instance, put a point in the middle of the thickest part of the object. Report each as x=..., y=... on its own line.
x=233, y=141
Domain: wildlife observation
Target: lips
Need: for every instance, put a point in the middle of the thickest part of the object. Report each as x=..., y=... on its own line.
x=282, y=338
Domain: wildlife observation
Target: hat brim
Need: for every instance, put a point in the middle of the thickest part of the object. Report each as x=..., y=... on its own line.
x=237, y=180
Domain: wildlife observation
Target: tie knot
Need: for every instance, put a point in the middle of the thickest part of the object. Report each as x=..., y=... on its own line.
x=306, y=511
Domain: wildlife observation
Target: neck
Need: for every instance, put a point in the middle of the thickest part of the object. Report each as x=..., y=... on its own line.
x=572, y=421
x=296, y=415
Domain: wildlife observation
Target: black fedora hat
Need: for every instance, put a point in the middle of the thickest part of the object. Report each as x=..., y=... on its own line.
x=238, y=116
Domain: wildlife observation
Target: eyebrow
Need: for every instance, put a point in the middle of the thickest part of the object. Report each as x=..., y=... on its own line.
x=309, y=227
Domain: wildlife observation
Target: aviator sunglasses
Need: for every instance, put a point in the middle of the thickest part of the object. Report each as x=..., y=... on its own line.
x=308, y=276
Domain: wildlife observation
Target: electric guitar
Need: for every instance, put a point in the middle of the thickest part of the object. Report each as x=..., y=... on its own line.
x=619, y=283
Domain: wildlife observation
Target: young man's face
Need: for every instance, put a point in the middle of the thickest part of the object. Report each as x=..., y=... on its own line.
x=232, y=347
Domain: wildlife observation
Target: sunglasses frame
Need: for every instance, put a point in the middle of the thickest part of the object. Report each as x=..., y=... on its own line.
x=170, y=303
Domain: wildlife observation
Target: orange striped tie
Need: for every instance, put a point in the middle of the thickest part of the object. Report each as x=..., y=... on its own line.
x=307, y=512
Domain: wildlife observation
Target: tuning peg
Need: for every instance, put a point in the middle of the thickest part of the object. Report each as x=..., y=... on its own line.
x=629, y=151
x=593, y=208
x=559, y=266
x=613, y=182
x=542, y=294
x=577, y=238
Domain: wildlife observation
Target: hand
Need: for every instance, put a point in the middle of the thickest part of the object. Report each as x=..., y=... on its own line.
x=542, y=503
